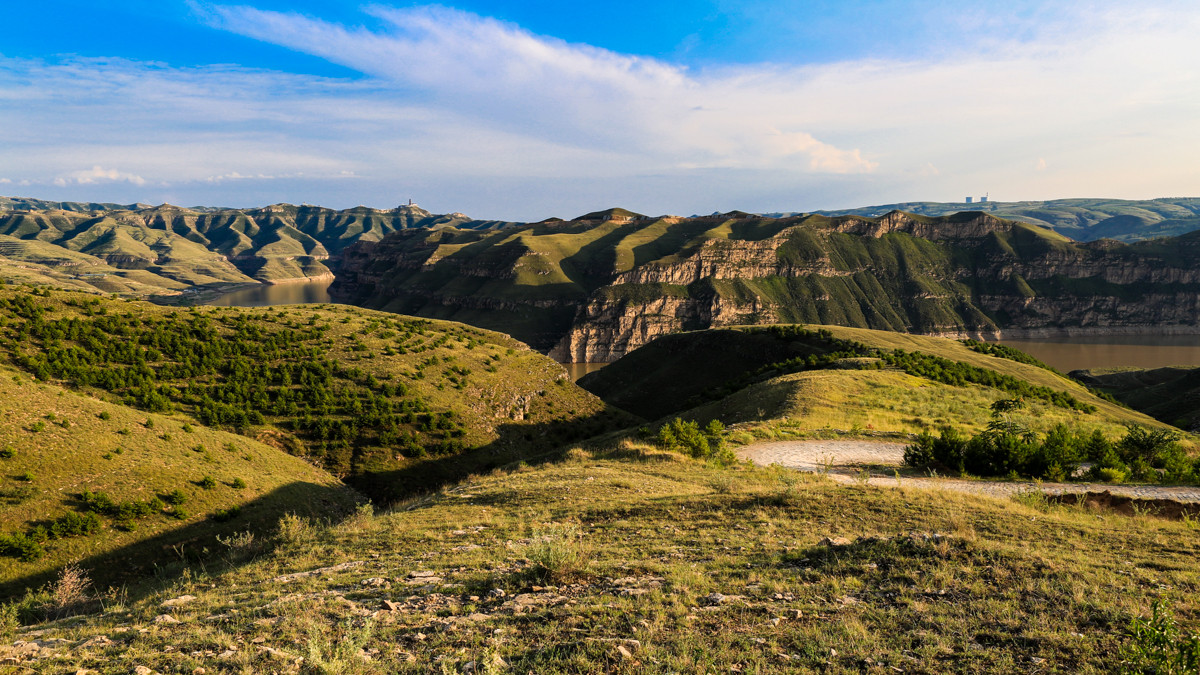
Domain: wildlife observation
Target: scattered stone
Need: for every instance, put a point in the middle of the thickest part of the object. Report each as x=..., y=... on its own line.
x=176, y=602
x=497, y=593
x=227, y=654
x=624, y=652
x=391, y=606
x=165, y=618
x=143, y=670
x=834, y=541
x=714, y=599
x=374, y=581
x=340, y=567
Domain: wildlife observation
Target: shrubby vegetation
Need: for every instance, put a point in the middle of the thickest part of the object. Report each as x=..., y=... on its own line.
x=707, y=443
x=1006, y=448
x=1004, y=352
x=236, y=370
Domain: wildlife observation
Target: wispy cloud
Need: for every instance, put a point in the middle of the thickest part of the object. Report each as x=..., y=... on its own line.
x=497, y=121
x=98, y=174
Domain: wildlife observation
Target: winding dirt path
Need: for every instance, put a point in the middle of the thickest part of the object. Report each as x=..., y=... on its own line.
x=841, y=460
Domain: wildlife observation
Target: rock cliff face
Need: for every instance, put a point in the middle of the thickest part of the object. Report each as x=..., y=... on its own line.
x=589, y=291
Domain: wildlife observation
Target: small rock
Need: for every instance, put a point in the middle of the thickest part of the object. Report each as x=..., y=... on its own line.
x=258, y=640
x=714, y=599
x=775, y=621
x=834, y=541
x=624, y=652
x=391, y=606
x=199, y=671
x=374, y=581
x=142, y=670
x=176, y=602
x=165, y=618
x=227, y=654
x=497, y=593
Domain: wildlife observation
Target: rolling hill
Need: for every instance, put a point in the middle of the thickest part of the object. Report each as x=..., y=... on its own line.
x=393, y=404
x=814, y=380
x=161, y=487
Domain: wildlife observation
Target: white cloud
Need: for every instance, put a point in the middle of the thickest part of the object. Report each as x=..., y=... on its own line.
x=5, y=181
x=491, y=119
x=97, y=174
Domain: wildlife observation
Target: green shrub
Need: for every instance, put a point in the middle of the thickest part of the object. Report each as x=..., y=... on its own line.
x=208, y=482
x=8, y=452
x=238, y=484
x=226, y=515
x=28, y=477
x=1157, y=645
x=38, y=426
x=105, y=416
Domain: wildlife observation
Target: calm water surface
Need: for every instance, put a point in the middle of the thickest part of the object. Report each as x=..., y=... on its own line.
x=1140, y=351
x=578, y=370
x=277, y=294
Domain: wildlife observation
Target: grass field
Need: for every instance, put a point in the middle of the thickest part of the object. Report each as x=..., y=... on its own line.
x=635, y=560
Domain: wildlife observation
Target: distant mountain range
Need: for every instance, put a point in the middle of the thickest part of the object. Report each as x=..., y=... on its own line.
x=1079, y=219
x=155, y=249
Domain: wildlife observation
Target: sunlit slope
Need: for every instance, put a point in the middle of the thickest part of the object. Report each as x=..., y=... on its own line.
x=57, y=444
x=755, y=374
x=359, y=392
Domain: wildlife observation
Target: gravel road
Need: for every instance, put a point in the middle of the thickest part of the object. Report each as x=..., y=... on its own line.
x=843, y=459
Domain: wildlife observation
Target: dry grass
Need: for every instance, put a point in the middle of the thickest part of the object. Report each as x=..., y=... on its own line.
x=639, y=564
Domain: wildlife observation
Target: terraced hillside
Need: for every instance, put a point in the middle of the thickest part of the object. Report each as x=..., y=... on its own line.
x=393, y=404
x=593, y=290
x=119, y=490
x=816, y=379
x=1080, y=219
x=165, y=249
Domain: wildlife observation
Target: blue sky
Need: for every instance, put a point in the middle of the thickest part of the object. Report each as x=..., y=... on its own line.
x=528, y=109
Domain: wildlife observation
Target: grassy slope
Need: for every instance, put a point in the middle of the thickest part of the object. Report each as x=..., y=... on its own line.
x=923, y=582
x=667, y=376
x=136, y=456
x=504, y=398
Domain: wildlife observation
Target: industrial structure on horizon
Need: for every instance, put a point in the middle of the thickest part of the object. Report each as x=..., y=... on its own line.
x=982, y=199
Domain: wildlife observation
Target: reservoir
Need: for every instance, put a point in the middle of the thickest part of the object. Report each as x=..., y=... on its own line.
x=1108, y=351
x=302, y=293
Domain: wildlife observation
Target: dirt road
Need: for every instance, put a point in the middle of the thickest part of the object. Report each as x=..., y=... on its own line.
x=842, y=460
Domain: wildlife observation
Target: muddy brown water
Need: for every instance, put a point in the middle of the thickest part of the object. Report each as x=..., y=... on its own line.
x=1108, y=351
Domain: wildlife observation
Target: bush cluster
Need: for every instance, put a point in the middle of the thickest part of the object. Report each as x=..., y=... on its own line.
x=707, y=443
x=1006, y=449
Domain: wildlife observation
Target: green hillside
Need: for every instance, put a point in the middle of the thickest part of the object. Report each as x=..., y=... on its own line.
x=587, y=291
x=392, y=403
x=817, y=379
x=636, y=560
x=58, y=445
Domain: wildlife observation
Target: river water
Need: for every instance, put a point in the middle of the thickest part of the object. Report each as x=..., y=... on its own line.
x=1065, y=354
x=1139, y=351
x=275, y=294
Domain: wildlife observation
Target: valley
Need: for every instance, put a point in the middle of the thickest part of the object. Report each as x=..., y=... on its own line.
x=413, y=482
